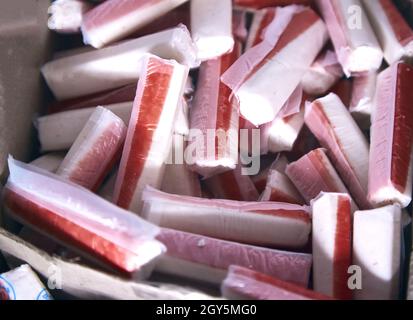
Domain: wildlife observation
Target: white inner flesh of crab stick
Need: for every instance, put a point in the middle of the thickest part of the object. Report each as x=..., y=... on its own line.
x=114, y=20
x=67, y=15
x=276, y=225
x=391, y=158
x=211, y=27
x=49, y=162
x=362, y=98
x=337, y=131
x=149, y=138
x=117, y=65
x=291, y=44
x=207, y=259
x=393, y=32
x=332, y=228
x=95, y=151
x=376, y=250
x=352, y=35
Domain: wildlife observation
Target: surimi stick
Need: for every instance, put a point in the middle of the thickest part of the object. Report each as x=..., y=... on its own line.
x=95, y=151
x=117, y=65
x=352, y=35
x=280, y=189
x=207, y=259
x=268, y=224
x=239, y=25
x=149, y=138
x=212, y=39
x=362, y=98
x=331, y=236
x=178, y=179
x=291, y=43
x=80, y=220
x=246, y=284
x=233, y=185
x=59, y=131
x=391, y=166
x=116, y=96
x=376, y=250
x=67, y=15
x=313, y=174
x=115, y=19
x=49, y=162
x=261, y=20
x=393, y=32
x=214, y=114
x=260, y=180
x=336, y=130
x=259, y=4
x=323, y=73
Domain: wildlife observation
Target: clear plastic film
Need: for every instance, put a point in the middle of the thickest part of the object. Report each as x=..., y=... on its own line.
x=95, y=151
x=79, y=206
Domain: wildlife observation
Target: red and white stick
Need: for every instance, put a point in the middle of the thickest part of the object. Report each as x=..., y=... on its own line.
x=362, y=98
x=66, y=16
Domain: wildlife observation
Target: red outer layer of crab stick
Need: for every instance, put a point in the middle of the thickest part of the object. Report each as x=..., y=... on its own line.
x=239, y=25
x=376, y=250
x=115, y=66
x=261, y=20
x=59, y=131
x=80, y=220
x=313, y=174
x=260, y=180
x=391, y=165
x=362, y=98
x=323, y=73
x=233, y=185
x=290, y=45
x=337, y=131
x=120, y=95
x=149, y=138
x=393, y=32
x=332, y=229
x=49, y=162
x=214, y=114
x=259, y=4
x=212, y=39
x=115, y=19
x=270, y=224
x=280, y=189
x=95, y=151
x=208, y=259
x=353, y=37
x=66, y=16
x=245, y=284
x=178, y=178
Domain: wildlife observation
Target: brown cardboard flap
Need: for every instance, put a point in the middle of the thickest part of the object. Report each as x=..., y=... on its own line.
x=86, y=283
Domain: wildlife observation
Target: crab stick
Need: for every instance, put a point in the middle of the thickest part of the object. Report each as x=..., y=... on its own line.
x=323, y=73
x=376, y=250
x=332, y=228
x=279, y=188
x=353, y=37
x=214, y=114
x=66, y=16
x=269, y=224
x=80, y=220
x=211, y=27
x=336, y=130
x=247, y=284
x=290, y=45
x=115, y=19
x=95, y=151
x=362, y=98
x=117, y=65
x=391, y=158
x=49, y=162
x=233, y=185
x=207, y=259
x=260, y=180
x=259, y=4
x=149, y=138
x=313, y=174
x=260, y=21
x=394, y=33
x=178, y=179
x=239, y=25
x=59, y=131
